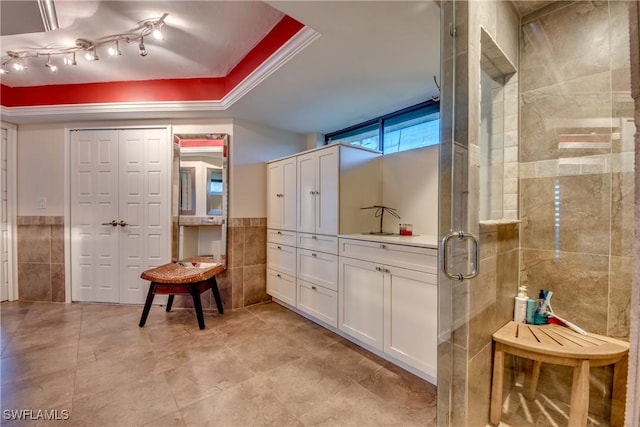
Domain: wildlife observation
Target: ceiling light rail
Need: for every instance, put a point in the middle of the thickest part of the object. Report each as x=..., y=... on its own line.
x=18, y=60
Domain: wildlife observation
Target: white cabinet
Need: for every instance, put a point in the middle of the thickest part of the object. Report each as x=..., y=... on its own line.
x=281, y=194
x=360, y=301
x=318, y=191
x=410, y=317
x=389, y=307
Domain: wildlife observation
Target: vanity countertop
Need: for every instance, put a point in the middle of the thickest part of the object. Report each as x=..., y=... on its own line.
x=423, y=240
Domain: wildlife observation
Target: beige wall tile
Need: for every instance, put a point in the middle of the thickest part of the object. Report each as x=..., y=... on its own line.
x=34, y=243
x=34, y=281
x=254, y=284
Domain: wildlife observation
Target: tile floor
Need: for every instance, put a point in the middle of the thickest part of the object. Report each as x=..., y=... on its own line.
x=257, y=366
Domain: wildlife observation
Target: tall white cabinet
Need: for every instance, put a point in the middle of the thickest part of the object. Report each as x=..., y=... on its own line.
x=322, y=190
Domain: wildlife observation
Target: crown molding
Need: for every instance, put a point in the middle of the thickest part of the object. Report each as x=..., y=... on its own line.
x=291, y=48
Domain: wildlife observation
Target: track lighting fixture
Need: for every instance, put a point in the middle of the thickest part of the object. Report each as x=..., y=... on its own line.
x=152, y=26
x=141, y=49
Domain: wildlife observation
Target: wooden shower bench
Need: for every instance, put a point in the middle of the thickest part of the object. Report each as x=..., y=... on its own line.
x=174, y=279
x=561, y=346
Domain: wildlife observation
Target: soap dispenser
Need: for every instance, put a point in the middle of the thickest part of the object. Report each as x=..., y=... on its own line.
x=520, y=309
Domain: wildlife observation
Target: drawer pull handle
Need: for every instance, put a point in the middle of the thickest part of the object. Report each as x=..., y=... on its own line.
x=378, y=268
x=313, y=287
x=314, y=237
x=278, y=275
x=279, y=195
x=383, y=246
x=314, y=255
x=279, y=248
x=280, y=233
x=386, y=270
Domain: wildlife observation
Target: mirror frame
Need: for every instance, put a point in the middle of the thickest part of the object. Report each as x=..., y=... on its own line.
x=206, y=143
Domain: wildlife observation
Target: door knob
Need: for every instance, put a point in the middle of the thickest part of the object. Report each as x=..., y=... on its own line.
x=113, y=223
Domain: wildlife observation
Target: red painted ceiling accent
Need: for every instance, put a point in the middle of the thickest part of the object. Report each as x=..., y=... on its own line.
x=196, y=89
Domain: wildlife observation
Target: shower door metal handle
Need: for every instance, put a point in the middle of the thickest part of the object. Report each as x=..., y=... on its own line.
x=460, y=235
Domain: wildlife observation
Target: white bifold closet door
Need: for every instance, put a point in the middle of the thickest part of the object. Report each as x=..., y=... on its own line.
x=120, y=212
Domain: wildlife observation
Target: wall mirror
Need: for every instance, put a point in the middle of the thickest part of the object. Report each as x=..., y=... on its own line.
x=201, y=183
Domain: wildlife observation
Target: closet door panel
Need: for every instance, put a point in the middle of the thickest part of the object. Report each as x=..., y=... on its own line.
x=94, y=202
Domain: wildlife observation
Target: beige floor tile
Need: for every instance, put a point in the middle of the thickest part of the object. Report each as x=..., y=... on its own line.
x=134, y=403
x=247, y=404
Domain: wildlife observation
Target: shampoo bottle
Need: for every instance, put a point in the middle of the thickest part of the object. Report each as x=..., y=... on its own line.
x=520, y=309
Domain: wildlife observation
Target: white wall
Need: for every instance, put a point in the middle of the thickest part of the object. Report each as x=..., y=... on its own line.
x=41, y=163
x=252, y=145
x=40, y=169
x=410, y=184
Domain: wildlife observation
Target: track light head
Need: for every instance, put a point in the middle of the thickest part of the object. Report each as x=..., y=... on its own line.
x=141, y=49
x=52, y=67
x=114, y=50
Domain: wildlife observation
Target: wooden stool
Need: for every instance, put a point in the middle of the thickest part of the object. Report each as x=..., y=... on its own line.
x=561, y=346
x=173, y=279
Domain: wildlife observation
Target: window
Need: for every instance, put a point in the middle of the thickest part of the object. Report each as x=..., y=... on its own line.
x=413, y=127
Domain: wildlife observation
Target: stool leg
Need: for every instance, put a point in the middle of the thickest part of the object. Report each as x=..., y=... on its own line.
x=169, y=303
x=496, y=386
x=147, y=304
x=533, y=385
x=197, y=304
x=619, y=391
x=579, y=395
x=216, y=294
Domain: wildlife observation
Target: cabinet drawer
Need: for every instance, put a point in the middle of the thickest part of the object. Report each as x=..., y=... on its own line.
x=411, y=257
x=281, y=236
x=318, y=268
x=318, y=242
x=318, y=302
x=281, y=286
x=281, y=258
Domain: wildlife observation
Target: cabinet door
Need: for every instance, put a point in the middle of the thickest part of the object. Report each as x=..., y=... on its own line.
x=410, y=318
x=306, y=193
x=327, y=191
x=275, y=194
x=288, y=199
x=360, y=301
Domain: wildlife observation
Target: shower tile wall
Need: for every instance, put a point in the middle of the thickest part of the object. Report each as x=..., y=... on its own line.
x=576, y=173
x=576, y=170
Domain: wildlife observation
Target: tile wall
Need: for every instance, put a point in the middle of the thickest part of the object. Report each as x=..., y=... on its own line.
x=41, y=258
x=244, y=281
x=41, y=262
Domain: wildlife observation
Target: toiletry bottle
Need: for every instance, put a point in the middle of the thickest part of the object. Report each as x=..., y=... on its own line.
x=520, y=309
x=532, y=305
